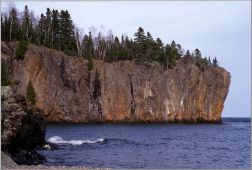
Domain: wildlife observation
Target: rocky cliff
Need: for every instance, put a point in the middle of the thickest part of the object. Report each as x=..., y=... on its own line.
x=123, y=91
x=22, y=128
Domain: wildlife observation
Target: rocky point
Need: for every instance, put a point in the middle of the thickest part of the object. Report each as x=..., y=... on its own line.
x=22, y=128
x=123, y=91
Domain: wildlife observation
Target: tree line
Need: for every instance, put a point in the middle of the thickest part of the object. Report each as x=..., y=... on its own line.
x=55, y=29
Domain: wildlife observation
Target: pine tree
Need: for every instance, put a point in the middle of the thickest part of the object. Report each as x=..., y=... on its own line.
x=48, y=27
x=174, y=52
x=209, y=60
x=41, y=29
x=140, y=42
x=150, y=47
x=197, y=53
x=21, y=49
x=90, y=51
x=169, y=59
x=5, y=27
x=215, y=62
x=30, y=93
x=5, y=81
x=205, y=61
x=188, y=54
x=56, y=36
x=140, y=35
x=14, y=25
x=67, y=32
x=159, y=52
x=26, y=23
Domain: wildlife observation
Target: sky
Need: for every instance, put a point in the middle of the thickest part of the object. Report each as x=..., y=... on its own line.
x=219, y=29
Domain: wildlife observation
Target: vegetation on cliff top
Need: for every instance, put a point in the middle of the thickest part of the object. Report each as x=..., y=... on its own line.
x=56, y=30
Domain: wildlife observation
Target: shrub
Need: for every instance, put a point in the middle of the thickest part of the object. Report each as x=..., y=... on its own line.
x=5, y=81
x=90, y=63
x=21, y=49
x=70, y=52
x=30, y=94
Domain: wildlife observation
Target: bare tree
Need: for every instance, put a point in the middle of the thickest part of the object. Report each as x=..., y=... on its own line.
x=78, y=33
x=12, y=17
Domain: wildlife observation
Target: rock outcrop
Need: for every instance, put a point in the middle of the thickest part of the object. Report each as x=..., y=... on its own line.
x=121, y=91
x=22, y=128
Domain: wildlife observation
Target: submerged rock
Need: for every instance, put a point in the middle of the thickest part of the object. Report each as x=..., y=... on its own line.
x=22, y=128
x=123, y=91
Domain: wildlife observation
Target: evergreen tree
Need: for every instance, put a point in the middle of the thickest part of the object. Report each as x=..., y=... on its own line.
x=209, y=60
x=4, y=27
x=188, y=54
x=67, y=32
x=48, y=27
x=84, y=46
x=140, y=42
x=140, y=36
x=215, y=62
x=26, y=23
x=159, y=52
x=56, y=37
x=14, y=25
x=150, y=45
x=174, y=54
x=5, y=81
x=41, y=29
x=56, y=30
x=197, y=53
x=169, y=59
x=30, y=94
x=180, y=50
x=90, y=51
x=21, y=49
x=205, y=61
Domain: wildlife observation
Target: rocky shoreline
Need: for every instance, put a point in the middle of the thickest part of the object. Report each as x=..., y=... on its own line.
x=23, y=128
x=8, y=163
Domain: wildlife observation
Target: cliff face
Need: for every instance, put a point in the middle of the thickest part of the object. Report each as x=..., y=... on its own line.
x=22, y=128
x=122, y=91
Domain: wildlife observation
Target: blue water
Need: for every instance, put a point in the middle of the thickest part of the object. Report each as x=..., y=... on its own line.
x=225, y=145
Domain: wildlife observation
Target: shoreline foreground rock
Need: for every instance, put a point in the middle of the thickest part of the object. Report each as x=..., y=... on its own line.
x=22, y=129
x=118, y=92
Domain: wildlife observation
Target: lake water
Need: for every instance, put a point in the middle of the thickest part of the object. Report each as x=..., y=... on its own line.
x=225, y=145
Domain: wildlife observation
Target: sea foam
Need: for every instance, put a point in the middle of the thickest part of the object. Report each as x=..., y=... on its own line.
x=60, y=140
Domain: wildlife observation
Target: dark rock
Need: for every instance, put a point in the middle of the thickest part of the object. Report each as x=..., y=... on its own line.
x=23, y=128
x=28, y=157
x=19, y=98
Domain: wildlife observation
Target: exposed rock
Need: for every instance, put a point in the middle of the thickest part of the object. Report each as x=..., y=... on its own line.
x=6, y=54
x=7, y=162
x=121, y=91
x=22, y=128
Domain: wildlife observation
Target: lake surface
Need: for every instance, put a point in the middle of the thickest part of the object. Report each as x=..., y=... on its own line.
x=225, y=145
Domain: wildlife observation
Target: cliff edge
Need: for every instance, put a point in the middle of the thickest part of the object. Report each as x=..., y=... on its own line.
x=124, y=91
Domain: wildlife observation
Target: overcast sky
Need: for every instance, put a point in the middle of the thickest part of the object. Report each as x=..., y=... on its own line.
x=221, y=29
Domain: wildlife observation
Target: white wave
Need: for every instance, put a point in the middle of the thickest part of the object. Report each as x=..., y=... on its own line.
x=60, y=140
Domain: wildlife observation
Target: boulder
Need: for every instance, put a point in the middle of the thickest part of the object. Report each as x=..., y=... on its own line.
x=22, y=129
